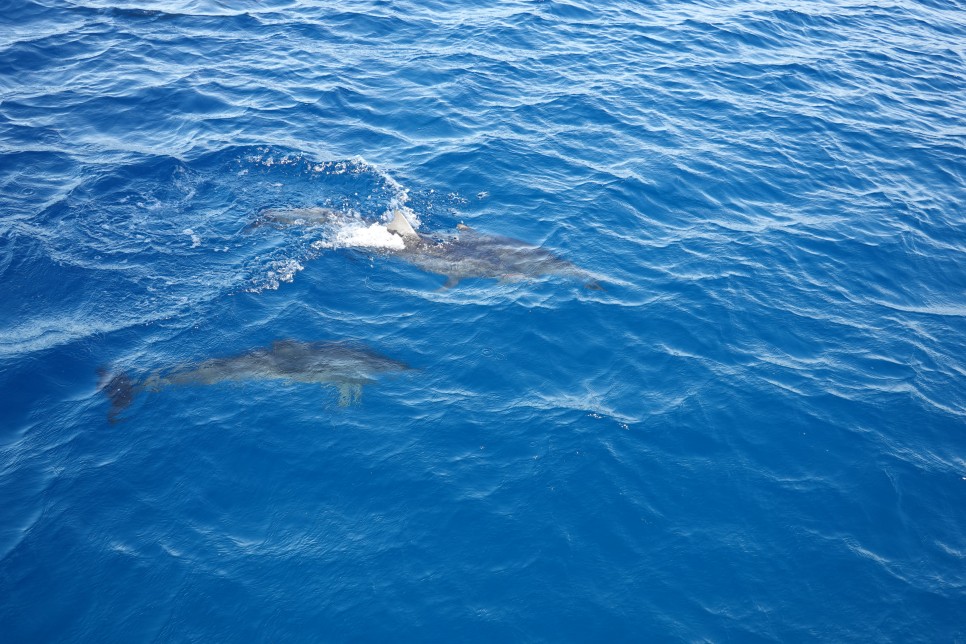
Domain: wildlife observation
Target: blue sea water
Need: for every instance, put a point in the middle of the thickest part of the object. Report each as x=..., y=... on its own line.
x=754, y=432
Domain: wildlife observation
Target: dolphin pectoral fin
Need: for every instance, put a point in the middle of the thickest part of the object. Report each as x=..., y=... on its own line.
x=345, y=395
x=593, y=285
x=450, y=283
x=350, y=393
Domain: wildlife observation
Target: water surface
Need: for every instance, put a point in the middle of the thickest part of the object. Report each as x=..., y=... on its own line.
x=753, y=433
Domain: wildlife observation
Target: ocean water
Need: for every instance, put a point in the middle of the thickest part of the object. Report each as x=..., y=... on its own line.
x=753, y=432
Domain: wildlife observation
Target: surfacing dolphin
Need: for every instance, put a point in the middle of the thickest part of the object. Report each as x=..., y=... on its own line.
x=473, y=254
x=346, y=366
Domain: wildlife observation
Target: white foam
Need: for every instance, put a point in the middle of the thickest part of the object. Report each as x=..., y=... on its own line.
x=195, y=238
x=355, y=235
x=281, y=270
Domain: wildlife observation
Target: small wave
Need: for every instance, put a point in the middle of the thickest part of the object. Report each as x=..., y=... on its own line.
x=938, y=310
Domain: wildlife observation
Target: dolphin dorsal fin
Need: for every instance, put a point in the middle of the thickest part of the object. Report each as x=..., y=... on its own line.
x=400, y=225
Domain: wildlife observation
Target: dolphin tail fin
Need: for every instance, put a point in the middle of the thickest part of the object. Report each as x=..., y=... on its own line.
x=400, y=225
x=593, y=285
x=120, y=390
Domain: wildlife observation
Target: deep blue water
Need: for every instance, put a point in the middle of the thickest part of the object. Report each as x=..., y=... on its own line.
x=754, y=432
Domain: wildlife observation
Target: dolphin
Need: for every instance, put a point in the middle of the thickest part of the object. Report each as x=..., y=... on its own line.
x=346, y=366
x=282, y=217
x=473, y=254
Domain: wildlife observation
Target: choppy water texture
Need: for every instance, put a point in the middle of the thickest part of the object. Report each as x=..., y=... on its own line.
x=754, y=432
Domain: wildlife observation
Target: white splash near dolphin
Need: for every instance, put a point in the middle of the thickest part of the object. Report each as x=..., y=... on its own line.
x=464, y=253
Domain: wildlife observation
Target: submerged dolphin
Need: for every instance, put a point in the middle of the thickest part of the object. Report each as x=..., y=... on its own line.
x=474, y=254
x=282, y=217
x=346, y=366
